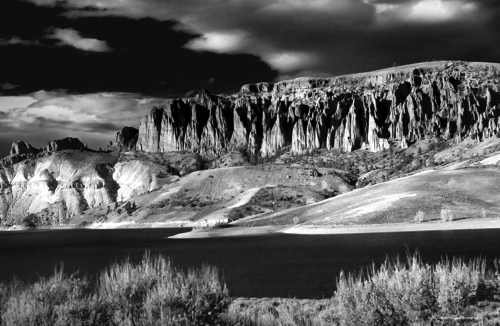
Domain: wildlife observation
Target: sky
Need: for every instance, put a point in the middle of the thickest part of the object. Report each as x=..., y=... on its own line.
x=87, y=68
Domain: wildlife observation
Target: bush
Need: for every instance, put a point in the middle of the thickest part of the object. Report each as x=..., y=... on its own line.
x=420, y=217
x=458, y=284
x=446, y=215
x=50, y=301
x=150, y=293
x=411, y=293
x=221, y=225
x=156, y=293
x=31, y=221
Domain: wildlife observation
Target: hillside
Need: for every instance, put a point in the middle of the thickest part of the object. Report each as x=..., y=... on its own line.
x=364, y=149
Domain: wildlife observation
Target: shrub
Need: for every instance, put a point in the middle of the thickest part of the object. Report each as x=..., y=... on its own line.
x=446, y=215
x=296, y=220
x=31, y=221
x=155, y=292
x=420, y=217
x=458, y=283
x=50, y=301
x=410, y=294
x=221, y=225
x=150, y=293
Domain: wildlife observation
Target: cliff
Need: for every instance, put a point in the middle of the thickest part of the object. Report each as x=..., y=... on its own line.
x=65, y=143
x=127, y=138
x=56, y=185
x=450, y=99
x=387, y=108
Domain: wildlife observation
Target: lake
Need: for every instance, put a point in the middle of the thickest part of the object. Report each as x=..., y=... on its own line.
x=279, y=265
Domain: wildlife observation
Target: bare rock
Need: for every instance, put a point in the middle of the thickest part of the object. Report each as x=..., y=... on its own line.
x=346, y=112
x=257, y=88
x=65, y=143
x=21, y=147
x=127, y=138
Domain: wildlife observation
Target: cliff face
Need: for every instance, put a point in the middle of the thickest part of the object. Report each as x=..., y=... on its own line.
x=453, y=99
x=127, y=138
x=58, y=187
x=22, y=148
x=65, y=143
x=61, y=184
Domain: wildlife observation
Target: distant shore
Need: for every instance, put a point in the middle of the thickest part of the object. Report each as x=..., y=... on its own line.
x=397, y=227
x=472, y=224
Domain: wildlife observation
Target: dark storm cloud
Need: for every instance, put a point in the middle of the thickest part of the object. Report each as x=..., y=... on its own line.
x=322, y=37
x=359, y=36
x=99, y=127
x=110, y=53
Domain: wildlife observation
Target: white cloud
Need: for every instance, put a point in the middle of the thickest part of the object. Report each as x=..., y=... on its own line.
x=289, y=61
x=384, y=7
x=225, y=42
x=17, y=41
x=424, y=11
x=70, y=37
x=11, y=102
x=59, y=113
x=119, y=108
x=93, y=118
x=438, y=10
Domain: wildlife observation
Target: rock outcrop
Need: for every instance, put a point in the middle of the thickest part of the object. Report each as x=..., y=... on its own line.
x=138, y=177
x=65, y=143
x=63, y=185
x=20, y=151
x=453, y=99
x=22, y=147
x=127, y=138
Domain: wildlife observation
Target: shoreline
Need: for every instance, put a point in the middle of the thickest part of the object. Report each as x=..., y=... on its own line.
x=476, y=224
x=103, y=226
x=472, y=224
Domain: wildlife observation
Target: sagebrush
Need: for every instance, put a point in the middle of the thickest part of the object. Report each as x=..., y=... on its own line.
x=155, y=292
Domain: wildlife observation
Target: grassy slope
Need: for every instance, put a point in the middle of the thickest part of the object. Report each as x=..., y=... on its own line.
x=467, y=185
x=212, y=194
x=465, y=192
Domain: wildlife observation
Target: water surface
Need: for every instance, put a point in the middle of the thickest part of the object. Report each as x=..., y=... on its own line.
x=284, y=265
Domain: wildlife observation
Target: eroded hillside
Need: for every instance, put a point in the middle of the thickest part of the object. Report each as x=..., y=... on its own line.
x=278, y=154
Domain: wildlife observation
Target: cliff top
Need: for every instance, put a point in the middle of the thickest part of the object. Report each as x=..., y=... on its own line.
x=315, y=82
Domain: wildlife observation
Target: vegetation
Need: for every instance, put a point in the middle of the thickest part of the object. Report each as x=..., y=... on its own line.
x=446, y=215
x=151, y=293
x=420, y=217
x=415, y=293
x=154, y=292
